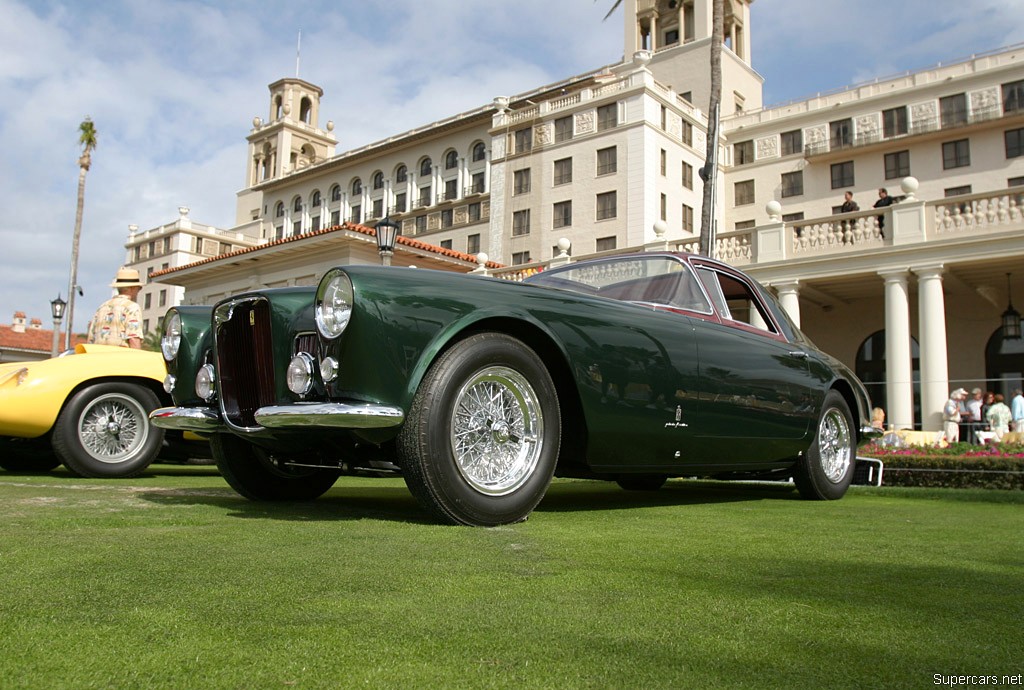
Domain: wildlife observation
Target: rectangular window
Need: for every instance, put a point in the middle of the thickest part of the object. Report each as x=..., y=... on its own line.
x=687, y=133
x=792, y=142
x=664, y=207
x=138, y=252
x=162, y=302
x=606, y=161
x=225, y=248
x=563, y=128
x=793, y=183
x=357, y=212
x=687, y=175
x=519, y=258
x=297, y=227
x=473, y=244
x=743, y=193
x=1014, y=139
x=1015, y=182
x=894, y=122
x=521, y=181
x=446, y=219
x=474, y=212
x=792, y=217
x=841, y=133
x=446, y=244
x=524, y=140
x=451, y=189
x=145, y=325
x=152, y=249
x=607, y=116
x=421, y=224
x=167, y=245
x=606, y=205
x=957, y=191
x=148, y=301
x=336, y=217
x=561, y=214
x=279, y=232
x=743, y=152
x=400, y=203
x=744, y=225
x=953, y=110
x=378, y=208
x=605, y=244
x=842, y=175
x=956, y=154
x=477, y=184
x=425, y=196
x=664, y=162
x=897, y=165
x=1013, y=96
x=687, y=218
x=563, y=171
x=521, y=222
x=664, y=118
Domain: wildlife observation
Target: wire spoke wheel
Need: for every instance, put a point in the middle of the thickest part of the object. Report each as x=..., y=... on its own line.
x=834, y=445
x=113, y=428
x=497, y=431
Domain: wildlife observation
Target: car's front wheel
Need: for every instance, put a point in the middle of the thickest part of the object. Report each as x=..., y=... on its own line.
x=261, y=476
x=104, y=431
x=481, y=441
x=826, y=469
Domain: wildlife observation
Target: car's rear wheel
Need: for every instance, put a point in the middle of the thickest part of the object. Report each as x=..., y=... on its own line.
x=826, y=469
x=261, y=476
x=480, y=443
x=104, y=431
x=27, y=455
x=642, y=482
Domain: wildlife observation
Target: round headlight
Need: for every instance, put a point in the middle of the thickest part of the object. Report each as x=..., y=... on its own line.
x=171, y=340
x=300, y=374
x=329, y=369
x=206, y=382
x=333, y=304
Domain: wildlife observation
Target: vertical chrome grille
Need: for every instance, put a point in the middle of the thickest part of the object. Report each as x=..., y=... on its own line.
x=245, y=359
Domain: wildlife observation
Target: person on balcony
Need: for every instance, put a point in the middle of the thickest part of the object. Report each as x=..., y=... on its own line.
x=849, y=206
x=883, y=200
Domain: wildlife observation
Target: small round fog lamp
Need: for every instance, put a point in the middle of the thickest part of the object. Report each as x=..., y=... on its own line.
x=206, y=382
x=329, y=369
x=300, y=374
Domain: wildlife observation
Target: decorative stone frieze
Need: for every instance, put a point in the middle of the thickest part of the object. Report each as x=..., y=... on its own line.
x=867, y=126
x=542, y=134
x=461, y=215
x=923, y=112
x=815, y=136
x=585, y=122
x=674, y=125
x=767, y=147
x=433, y=221
x=986, y=99
x=497, y=148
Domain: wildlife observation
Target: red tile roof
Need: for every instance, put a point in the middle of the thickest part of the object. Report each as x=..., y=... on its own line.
x=401, y=239
x=32, y=340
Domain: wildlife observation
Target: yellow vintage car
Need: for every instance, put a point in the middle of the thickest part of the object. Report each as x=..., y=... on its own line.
x=88, y=409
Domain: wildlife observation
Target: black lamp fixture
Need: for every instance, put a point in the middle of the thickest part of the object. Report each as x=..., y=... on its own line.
x=57, y=307
x=1011, y=317
x=387, y=234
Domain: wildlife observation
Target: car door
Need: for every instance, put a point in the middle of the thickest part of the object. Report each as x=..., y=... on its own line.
x=757, y=394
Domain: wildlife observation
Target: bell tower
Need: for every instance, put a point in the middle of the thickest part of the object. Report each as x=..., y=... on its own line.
x=677, y=33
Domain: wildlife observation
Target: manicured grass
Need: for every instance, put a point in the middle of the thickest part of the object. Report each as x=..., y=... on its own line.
x=171, y=580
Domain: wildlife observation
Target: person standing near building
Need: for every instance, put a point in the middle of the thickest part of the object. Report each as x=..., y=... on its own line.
x=883, y=200
x=118, y=321
x=849, y=205
x=998, y=417
x=1017, y=410
x=951, y=415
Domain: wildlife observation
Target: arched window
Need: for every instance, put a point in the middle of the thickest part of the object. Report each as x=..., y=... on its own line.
x=279, y=210
x=451, y=160
x=336, y=193
x=357, y=187
x=425, y=167
x=315, y=201
x=1004, y=362
x=401, y=174
x=479, y=151
x=870, y=368
x=306, y=110
x=378, y=180
x=297, y=205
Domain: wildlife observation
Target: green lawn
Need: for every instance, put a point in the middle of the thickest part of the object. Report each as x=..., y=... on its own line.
x=172, y=580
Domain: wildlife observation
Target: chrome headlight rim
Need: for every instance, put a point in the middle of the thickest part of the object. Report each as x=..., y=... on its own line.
x=206, y=382
x=299, y=376
x=170, y=341
x=334, y=298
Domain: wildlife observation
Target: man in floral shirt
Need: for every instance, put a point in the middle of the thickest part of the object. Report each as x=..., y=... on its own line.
x=118, y=321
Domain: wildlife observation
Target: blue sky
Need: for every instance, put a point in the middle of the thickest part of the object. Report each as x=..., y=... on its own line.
x=173, y=85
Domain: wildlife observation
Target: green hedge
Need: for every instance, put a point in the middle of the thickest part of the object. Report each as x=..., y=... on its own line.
x=960, y=466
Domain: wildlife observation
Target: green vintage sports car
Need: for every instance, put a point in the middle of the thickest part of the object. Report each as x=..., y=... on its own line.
x=477, y=391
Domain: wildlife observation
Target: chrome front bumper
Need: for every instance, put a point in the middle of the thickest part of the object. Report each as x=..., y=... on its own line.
x=298, y=416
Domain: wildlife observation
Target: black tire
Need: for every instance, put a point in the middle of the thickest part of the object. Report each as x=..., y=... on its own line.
x=27, y=455
x=826, y=470
x=104, y=431
x=642, y=482
x=256, y=474
x=481, y=440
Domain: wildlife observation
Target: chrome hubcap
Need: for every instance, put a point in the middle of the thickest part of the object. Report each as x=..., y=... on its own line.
x=834, y=445
x=497, y=430
x=113, y=428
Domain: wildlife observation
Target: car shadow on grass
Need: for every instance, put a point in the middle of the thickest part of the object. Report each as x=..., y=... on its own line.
x=582, y=495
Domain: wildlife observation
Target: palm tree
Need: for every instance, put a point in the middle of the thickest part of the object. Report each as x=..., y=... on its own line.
x=710, y=170
x=87, y=138
x=615, y=6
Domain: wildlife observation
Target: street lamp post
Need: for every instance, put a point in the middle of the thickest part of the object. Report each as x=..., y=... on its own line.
x=387, y=234
x=57, y=311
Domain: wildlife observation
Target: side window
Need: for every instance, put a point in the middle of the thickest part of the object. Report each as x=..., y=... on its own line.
x=735, y=300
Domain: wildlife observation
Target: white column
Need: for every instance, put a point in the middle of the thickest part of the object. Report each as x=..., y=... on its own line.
x=898, y=363
x=789, y=298
x=934, y=360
